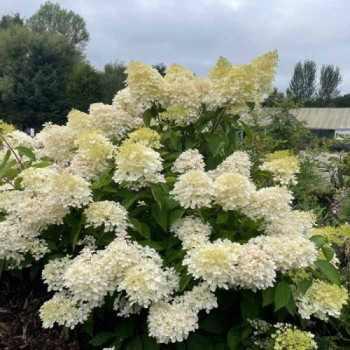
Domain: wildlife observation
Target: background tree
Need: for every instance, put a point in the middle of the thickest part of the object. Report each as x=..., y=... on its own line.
x=275, y=97
x=112, y=80
x=84, y=87
x=303, y=83
x=330, y=79
x=8, y=21
x=34, y=70
x=161, y=68
x=52, y=18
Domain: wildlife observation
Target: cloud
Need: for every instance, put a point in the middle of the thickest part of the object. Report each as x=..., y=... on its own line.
x=194, y=33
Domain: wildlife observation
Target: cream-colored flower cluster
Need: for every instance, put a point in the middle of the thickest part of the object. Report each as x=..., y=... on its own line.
x=188, y=160
x=123, y=266
x=181, y=91
x=288, y=337
x=137, y=165
x=146, y=137
x=322, y=300
x=47, y=197
x=183, y=95
x=173, y=321
x=283, y=165
x=112, y=216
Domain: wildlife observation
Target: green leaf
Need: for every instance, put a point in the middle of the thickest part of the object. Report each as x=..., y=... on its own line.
x=213, y=142
x=222, y=218
x=318, y=240
x=184, y=281
x=251, y=105
x=304, y=285
x=175, y=215
x=198, y=342
x=25, y=151
x=329, y=271
x=147, y=116
x=135, y=343
x=2, y=267
x=130, y=200
x=149, y=343
x=88, y=325
x=233, y=338
x=158, y=195
x=282, y=295
x=141, y=228
x=42, y=164
x=161, y=217
x=152, y=244
x=215, y=323
x=101, y=338
x=328, y=252
x=124, y=330
x=291, y=307
x=75, y=229
x=175, y=140
x=7, y=156
x=268, y=295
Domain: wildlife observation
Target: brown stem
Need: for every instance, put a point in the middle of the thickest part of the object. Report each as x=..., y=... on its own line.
x=13, y=151
x=9, y=182
x=218, y=120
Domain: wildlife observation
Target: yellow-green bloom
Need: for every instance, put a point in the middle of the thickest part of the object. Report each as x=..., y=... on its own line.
x=336, y=235
x=145, y=136
x=322, y=300
x=288, y=337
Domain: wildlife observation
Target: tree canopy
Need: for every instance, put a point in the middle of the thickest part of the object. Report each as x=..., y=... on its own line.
x=52, y=18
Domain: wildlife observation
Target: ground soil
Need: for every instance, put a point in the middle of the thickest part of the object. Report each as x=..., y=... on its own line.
x=20, y=325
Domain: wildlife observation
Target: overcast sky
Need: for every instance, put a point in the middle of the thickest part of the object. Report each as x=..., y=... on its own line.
x=194, y=33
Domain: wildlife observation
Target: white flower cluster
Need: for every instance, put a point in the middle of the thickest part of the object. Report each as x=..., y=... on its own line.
x=191, y=231
x=288, y=337
x=188, y=160
x=194, y=189
x=137, y=165
x=233, y=191
x=46, y=199
x=92, y=155
x=322, y=300
x=238, y=162
x=111, y=215
x=287, y=251
x=270, y=203
x=284, y=167
x=293, y=223
x=123, y=266
x=113, y=122
x=173, y=321
x=182, y=93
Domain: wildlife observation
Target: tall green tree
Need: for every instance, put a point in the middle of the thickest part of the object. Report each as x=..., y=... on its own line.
x=51, y=18
x=330, y=78
x=112, y=80
x=303, y=83
x=84, y=87
x=34, y=70
x=161, y=68
x=8, y=21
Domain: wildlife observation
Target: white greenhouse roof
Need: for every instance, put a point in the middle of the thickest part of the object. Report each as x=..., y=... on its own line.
x=324, y=118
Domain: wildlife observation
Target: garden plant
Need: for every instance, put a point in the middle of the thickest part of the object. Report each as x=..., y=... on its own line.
x=152, y=228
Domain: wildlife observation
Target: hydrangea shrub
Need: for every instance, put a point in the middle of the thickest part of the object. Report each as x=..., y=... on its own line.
x=152, y=229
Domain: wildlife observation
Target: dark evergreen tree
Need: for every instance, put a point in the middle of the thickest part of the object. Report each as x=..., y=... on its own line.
x=84, y=87
x=330, y=79
x=112, y=80
x=303, y=83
